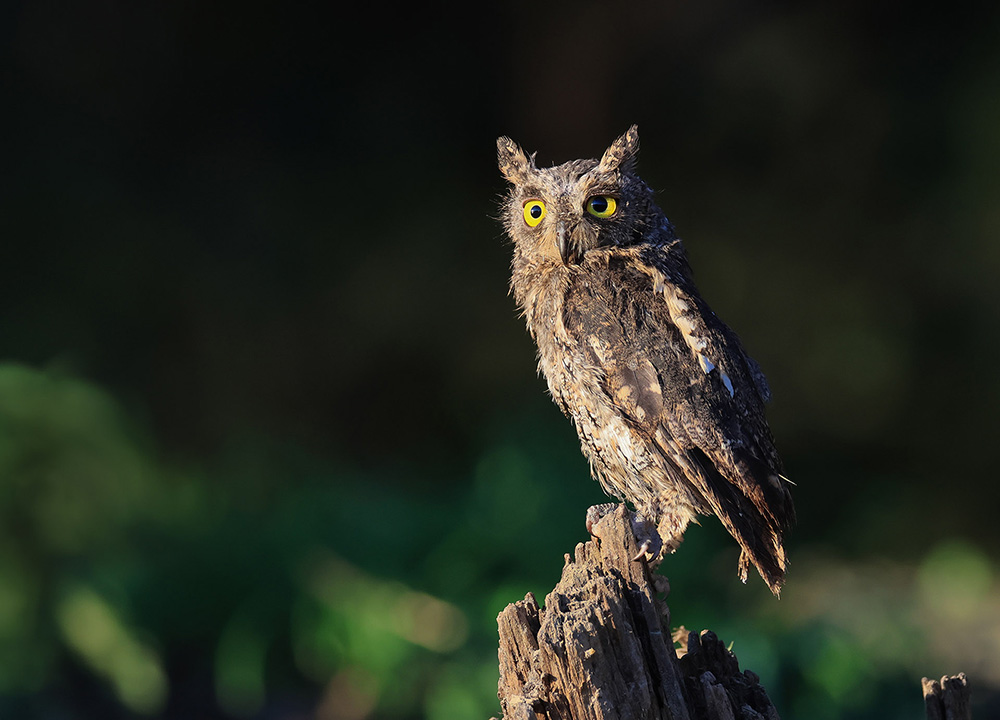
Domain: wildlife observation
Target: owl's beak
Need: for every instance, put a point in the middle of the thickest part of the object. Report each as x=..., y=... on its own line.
x=565, y=248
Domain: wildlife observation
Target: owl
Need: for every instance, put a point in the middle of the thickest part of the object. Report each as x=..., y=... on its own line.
x=668, y=406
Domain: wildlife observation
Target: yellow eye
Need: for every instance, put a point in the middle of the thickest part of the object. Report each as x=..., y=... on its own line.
x=534, y=211
x=602, y=206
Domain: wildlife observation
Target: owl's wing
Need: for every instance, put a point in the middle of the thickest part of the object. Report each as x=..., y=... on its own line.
x=683, y=381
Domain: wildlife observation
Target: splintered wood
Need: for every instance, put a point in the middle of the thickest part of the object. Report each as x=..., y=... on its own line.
x=601, y=648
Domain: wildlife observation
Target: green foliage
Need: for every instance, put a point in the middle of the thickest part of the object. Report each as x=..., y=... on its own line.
x=118, y=561
x=385, y=604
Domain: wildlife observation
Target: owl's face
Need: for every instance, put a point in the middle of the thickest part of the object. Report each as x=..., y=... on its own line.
x=560, y=213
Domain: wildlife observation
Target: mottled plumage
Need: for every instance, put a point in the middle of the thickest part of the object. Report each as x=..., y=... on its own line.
x=668, y=406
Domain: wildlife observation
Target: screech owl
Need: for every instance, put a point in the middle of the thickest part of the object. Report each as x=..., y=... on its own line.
x=668, y=406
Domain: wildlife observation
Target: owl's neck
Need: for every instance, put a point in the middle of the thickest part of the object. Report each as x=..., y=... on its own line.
x=539, y=286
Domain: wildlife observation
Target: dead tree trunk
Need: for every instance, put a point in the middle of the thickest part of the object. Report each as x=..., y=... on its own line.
x=602, y=648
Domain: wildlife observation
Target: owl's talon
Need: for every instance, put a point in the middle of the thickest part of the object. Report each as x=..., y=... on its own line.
x=643, y=530
x=644, y=553
x=596, y=513
x=650, y=542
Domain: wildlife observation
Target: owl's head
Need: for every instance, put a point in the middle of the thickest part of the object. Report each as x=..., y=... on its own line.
x=560, y=213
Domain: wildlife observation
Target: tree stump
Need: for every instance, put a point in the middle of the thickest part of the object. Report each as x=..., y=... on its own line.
x=947, y=699
x=602, y=648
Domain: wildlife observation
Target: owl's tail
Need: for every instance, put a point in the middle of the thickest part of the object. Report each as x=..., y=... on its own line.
x=756, y=508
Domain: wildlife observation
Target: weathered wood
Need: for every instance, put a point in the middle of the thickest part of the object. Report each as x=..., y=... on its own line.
x=601, y=647
x=948, y=698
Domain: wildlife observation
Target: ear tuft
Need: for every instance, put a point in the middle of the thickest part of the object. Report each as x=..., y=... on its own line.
x=622, y=153
x=514, y=164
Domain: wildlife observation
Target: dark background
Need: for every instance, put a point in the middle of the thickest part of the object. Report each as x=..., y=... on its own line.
x=271, y=440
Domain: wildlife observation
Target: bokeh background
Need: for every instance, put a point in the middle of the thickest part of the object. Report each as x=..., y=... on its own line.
x=271, y=440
